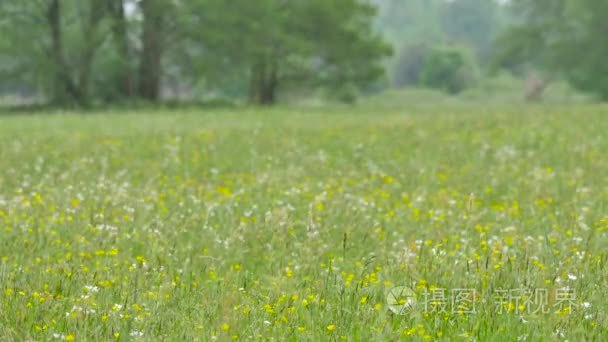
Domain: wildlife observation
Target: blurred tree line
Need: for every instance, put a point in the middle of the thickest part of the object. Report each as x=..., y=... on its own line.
x=559, y=39
x=81, y=52
x=449, y=44
x=439, y=43
x=90, y=51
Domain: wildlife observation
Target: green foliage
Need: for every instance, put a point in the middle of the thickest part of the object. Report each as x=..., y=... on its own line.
x=409, y=64
x=347, y=93
x=94, y=51
x=288, y=48
x=410, y=21
x=564, y=38
x=473, y=23
x=448, y=69
x=413, y=26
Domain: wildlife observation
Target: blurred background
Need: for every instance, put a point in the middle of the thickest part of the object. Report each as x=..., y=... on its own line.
x=98, y=53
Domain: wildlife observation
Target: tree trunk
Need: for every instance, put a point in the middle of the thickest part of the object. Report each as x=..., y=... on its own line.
x=264, y=83
x=126, y=81
x=92, y=43
x=270, y=87
x=255, y=82
x=150, y=69
x=65, y=89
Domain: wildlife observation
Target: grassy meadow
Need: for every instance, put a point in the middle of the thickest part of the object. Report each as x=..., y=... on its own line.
x=298, y=224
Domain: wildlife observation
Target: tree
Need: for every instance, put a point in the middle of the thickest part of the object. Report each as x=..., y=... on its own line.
x=473, y=23
x=448, y=69
x=414, y=26
x=409, y=64
x=563, y=38
x=98, y=51
x=283, y=45
x=84, y=50
x=60, y=52
x=153, y=41
x=123, y=67
x=406, y=22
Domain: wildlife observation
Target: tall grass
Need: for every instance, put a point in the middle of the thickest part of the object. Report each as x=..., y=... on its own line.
x=297, y=224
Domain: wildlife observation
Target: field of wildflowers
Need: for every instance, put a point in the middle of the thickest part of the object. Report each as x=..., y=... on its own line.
x=428, y=224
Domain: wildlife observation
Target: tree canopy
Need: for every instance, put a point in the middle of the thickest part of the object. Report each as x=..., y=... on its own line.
x=81, y=51
x=415, y=27
x=563, y=38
